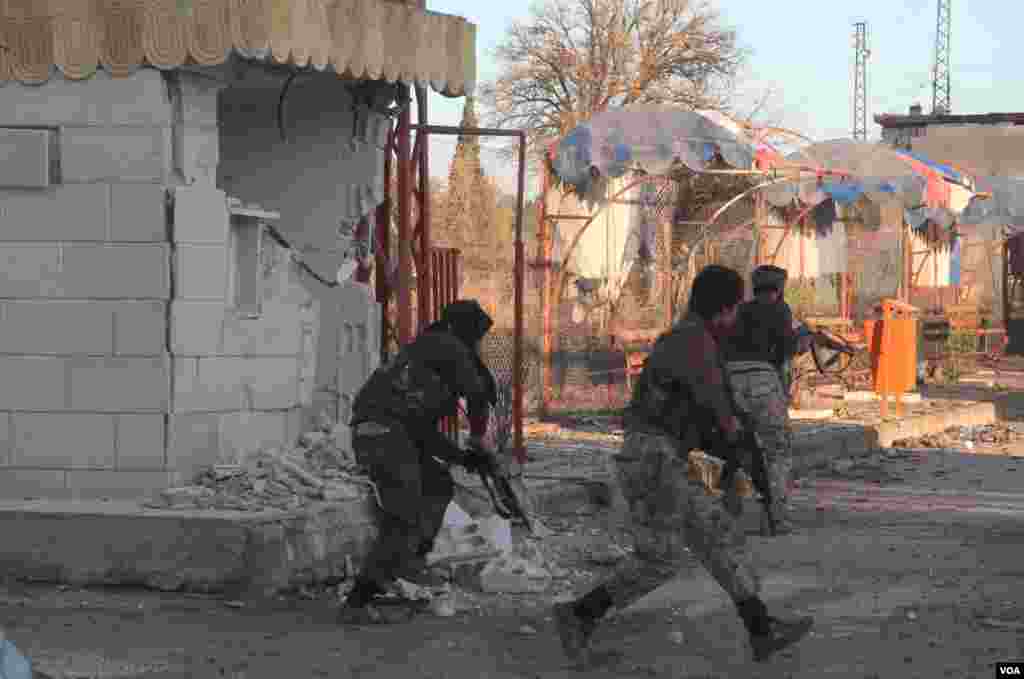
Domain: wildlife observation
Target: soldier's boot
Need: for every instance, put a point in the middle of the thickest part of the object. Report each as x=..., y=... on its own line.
x=577, y=620
x=365, y=606
x=769, y=635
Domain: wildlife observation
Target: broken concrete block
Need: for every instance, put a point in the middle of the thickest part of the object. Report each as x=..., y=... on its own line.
x=512, y=575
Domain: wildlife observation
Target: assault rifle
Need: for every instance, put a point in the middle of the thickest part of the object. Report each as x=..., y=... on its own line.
x=496, y=480
x=824, y=340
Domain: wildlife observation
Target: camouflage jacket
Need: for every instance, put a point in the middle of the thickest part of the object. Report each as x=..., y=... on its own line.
x=681, y=391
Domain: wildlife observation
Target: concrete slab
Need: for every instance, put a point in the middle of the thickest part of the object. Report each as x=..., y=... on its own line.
x=236, y=553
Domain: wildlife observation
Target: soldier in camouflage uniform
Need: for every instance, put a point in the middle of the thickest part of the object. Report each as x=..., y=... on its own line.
x=763, y=343
x=680, y=390
x=396, y=437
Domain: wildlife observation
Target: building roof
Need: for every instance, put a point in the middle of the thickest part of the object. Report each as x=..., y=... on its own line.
x=888, y=120
x=374, y=39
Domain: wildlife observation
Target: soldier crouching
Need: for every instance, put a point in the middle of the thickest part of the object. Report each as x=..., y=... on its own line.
x=669, y=513
x=396, y=437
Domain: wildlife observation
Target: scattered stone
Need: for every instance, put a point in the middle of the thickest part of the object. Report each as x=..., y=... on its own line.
x=911, y=615
x=316, y=470
x=527, y=630
x=676, y=637
x=234, y=604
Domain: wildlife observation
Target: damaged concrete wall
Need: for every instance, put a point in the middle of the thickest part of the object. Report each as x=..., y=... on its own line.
x=319, y=166
x=243, y=322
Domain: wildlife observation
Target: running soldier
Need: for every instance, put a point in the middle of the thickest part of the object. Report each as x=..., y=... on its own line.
x=758, y=353
x=680, y=390
x=396, y=437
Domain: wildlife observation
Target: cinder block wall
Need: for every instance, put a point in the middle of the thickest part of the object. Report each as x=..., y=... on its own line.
x=325, y=170
x=84, y=291
x=239, y=383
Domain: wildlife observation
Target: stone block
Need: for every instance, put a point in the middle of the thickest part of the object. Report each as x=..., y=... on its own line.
x=119, y=384
x=209, y=384
x=141, y=443
x=196, y=153
x=63, y=440
x=140, y=328
x=248, y=432
x=138, y=213
x=32, y=383
x=272, y=383
x=140, y=99
x=33, y=483
x=126, y=485
x=72, y=212
x=196, y=327
x=56, y=327
x=202, y=272
x=276, y=332
x=26, y=155
x=115, y=271
x=94, y=154
x=198, y=103
x=30, y=270
x=193, y=442
x=201, y=215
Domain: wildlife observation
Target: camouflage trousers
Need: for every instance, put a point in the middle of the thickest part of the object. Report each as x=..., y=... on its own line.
x=672, y=517
x=759, y=393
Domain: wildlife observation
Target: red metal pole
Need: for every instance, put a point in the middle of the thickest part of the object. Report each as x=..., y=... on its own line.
x=517, y=346
x=424, y=271
x=404, y=217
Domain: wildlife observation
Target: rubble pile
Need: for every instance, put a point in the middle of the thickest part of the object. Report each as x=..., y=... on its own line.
x=316, y=470
x=956, y=438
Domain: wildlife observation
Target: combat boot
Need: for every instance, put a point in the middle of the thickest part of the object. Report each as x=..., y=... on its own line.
x=780, y=634
x=574, y=631
x=769, y=635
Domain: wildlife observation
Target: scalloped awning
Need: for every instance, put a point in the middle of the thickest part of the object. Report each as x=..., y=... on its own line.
x=374, y=39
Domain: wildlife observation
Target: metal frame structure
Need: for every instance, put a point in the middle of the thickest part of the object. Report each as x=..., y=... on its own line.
x=860, y=80
x=941, y=102
x=415, y=252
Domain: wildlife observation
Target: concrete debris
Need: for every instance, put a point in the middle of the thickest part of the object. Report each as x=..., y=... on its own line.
x=520, y=571
x=956, y=438
x=463, y=539
x=318, y=469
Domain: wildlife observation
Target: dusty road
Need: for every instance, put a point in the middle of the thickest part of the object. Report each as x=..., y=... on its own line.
x=913, y=566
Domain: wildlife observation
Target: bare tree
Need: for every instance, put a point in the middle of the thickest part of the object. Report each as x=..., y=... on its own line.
x=574, y=58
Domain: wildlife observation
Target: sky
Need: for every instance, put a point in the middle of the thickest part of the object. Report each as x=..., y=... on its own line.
x=801, y=55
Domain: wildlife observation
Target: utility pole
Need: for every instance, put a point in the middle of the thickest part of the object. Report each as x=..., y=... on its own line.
x=941, y=104
x=860, y=80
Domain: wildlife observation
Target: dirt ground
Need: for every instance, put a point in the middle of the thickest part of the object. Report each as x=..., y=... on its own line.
x=909, y=561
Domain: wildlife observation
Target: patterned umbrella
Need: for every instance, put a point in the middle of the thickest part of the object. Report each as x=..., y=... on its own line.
x=848, y=169
x=651, y=139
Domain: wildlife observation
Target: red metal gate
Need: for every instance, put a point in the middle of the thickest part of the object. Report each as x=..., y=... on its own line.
x=445, y=288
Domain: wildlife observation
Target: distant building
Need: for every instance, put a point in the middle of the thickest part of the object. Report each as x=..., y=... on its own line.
x=986, y=144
